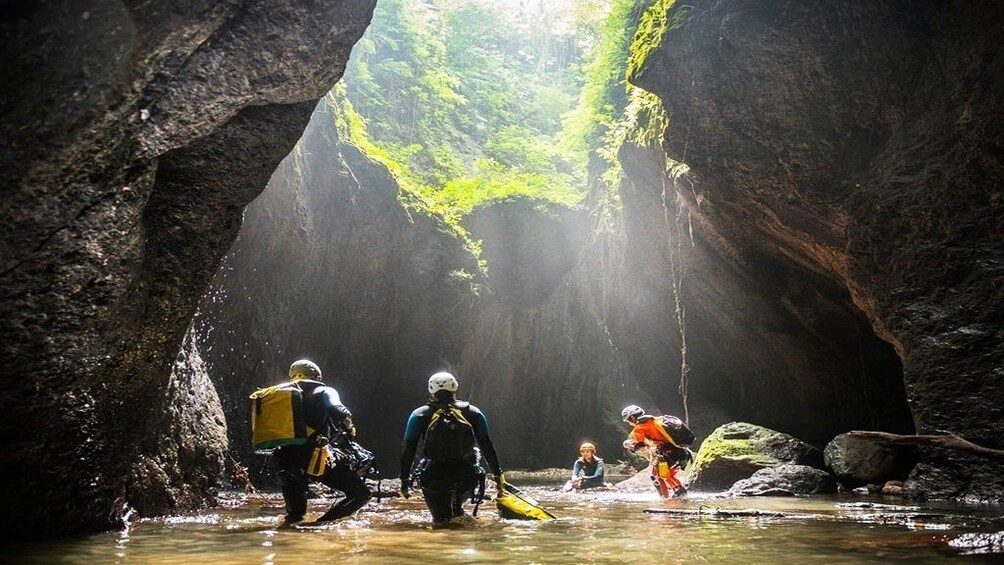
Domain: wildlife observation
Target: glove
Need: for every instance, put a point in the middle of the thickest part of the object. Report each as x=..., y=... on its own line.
x=350, y=430
x=629, y=445
x=406, y=488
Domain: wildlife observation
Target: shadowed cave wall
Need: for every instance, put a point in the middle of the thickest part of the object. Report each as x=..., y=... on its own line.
x=859, y=145
x=134, y=133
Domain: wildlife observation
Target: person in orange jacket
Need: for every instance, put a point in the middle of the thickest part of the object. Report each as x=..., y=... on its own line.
x=665, y=455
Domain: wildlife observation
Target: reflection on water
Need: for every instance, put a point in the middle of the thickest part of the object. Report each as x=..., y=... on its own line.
x=600, y=527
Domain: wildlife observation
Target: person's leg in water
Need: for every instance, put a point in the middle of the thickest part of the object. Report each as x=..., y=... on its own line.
x=673, y=482
x=462, y=492
x=664, y=477
x=343, y=479
x=657, y=479
x=439, y=499
x=292, y=481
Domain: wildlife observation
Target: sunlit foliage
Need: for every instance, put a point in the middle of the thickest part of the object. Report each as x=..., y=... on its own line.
x=467, y=99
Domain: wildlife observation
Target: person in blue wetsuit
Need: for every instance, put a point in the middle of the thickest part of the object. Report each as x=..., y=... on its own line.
x=324, y=413
x=587, y=471
x=450, y=463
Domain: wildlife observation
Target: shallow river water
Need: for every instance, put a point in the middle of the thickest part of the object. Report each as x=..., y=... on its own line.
x=592, y=527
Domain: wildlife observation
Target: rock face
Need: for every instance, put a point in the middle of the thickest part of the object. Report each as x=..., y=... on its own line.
x=785, y=480
x=330, y=265
x=134, y=135
x=737, y=450
x=845, y=164
x=857, y=461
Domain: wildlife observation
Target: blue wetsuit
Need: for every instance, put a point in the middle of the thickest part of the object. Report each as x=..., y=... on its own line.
x=446, y=484
x=591, y=473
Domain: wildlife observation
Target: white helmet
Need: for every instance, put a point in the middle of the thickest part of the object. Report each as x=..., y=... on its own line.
x=443, y=381
x=631, y=411
x=304, y=369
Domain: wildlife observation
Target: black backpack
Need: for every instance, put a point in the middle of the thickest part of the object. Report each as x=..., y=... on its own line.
x=449, y=436
x=676, y=429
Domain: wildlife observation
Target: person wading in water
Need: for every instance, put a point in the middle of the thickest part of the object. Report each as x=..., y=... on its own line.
x=666, y=438
x=449, y=468
x=329, y=420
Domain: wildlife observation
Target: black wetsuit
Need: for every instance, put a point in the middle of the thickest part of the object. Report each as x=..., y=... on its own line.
x=446, y=485
x=324, y=412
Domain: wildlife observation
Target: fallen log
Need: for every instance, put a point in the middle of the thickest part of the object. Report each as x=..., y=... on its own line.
x=853, y=517
x=949, y=441
x=728, y=513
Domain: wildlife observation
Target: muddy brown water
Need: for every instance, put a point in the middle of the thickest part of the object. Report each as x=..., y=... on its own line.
x=592, y=527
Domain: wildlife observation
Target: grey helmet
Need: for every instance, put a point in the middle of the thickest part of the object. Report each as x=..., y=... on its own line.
x=442, y=381
x=631, y=411
x=304, y=369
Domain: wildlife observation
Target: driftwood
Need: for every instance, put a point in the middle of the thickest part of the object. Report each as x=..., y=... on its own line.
x=853, y=517
x=727, y=513
x=950, y=441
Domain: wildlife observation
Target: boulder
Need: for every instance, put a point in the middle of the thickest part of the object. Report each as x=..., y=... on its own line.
x=858, y=461
x=737, y=450
x=785, y=480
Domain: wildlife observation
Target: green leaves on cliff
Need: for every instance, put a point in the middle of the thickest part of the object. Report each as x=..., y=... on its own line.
x=467, y=103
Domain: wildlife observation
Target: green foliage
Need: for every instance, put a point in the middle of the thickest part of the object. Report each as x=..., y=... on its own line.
x=495, y=181
x=457, y=96
x=651, y=28
x=466, y=104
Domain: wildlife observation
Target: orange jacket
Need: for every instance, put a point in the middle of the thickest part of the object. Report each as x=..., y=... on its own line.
x=649, y=429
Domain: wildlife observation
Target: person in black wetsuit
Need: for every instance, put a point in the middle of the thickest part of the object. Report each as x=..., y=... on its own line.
x=323, y=412
x=449, y=462
x=587, y=471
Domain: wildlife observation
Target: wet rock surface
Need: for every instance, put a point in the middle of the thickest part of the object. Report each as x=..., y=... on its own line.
x=857, y=461
x=785, y=480
x=134, y=135
x=737, y=450
x=856, y=147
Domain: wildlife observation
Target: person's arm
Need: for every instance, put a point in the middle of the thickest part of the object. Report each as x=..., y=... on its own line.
x=412, y=433
x=480, y=424
x=638, y=435
x=336, y=412
x=576, y=468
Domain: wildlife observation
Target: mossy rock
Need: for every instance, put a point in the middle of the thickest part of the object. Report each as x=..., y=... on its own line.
x=736, y=450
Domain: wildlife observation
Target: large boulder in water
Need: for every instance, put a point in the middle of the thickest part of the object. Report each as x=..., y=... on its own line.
x=858, y=461
x=737, y=450
x=785, y=480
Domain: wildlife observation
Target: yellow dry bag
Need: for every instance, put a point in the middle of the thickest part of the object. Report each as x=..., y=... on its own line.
x=514, y=504
x=277, y=417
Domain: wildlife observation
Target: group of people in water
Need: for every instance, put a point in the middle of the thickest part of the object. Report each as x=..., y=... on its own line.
x=455, y=450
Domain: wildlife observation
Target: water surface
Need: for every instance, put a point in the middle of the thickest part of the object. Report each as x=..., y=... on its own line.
x=593, y=527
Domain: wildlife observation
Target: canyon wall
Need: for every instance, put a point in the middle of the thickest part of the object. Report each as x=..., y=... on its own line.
x=134, y=134
x=851, y=157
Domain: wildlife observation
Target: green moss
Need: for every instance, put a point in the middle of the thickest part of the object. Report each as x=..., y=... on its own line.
x=652, y=27
x=351, y=129
x=724, y=443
